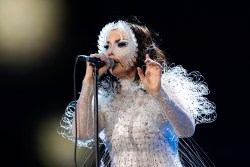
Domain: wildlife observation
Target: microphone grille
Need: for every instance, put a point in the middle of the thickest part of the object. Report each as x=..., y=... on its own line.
x=111, y=62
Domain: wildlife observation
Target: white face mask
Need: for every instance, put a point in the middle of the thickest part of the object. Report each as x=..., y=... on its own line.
x=125, y=49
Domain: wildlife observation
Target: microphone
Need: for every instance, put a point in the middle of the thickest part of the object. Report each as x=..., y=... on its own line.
x=99, y=63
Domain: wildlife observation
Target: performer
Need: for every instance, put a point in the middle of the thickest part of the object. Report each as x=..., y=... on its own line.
x=145, y=103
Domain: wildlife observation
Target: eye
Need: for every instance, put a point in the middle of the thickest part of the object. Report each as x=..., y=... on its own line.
x=106, y=46
x=122, y=44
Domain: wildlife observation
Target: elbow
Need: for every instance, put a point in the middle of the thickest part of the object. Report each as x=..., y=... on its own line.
x=186, y=131
x=190, y=131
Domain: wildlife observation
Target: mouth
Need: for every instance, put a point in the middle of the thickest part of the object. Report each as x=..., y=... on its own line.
x=116, y=62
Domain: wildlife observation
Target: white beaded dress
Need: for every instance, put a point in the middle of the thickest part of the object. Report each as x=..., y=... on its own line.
x=135, y=126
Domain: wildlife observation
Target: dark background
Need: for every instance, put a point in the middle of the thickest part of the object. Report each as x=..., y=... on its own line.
x=209, y=36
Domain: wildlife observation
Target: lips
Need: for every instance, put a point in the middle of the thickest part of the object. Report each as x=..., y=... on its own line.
x=116, y=62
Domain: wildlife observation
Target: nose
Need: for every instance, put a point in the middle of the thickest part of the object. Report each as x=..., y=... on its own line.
x=110, y=50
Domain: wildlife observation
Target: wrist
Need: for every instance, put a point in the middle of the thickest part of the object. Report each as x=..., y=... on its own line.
x=155, y=92
x=89, y=80
x=160, y=93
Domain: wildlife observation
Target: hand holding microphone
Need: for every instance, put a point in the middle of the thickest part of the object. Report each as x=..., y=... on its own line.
x=101, y=61
x=98, y=62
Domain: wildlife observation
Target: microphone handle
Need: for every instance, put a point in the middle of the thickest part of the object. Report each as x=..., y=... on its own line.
x=97, y=62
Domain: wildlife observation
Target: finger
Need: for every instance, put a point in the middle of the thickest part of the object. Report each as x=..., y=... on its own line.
x=89, y=63
x=100, y=56
x=108, y=62
x=154, y=63
x=147, y=60
x=103, y=58
x=94, y=55
x=140, y=73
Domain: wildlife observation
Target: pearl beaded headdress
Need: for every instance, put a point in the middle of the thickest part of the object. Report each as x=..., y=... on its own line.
x=128, y=57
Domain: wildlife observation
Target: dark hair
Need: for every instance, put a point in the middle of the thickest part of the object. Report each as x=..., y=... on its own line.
x=147, y=44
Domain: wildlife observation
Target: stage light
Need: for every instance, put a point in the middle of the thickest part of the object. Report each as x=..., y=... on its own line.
x=29, y=30
x=54, y=150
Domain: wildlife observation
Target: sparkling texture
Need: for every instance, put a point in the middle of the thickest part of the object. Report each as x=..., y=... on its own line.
x=137, y=128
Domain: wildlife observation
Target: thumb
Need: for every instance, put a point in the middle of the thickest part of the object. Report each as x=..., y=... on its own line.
x=140, y=73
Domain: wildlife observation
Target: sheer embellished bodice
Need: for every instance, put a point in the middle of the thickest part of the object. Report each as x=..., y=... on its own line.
x=137, y=132
x=139, y=129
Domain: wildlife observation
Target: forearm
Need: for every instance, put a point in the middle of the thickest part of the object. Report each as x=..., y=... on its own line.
x=181, y=122
x=84, y=114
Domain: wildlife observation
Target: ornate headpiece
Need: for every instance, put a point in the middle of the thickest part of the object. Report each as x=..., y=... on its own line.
x=128, y=58
x=121, y=25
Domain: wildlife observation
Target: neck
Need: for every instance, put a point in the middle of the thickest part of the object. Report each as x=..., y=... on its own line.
x=129, y=75
x=127, y=79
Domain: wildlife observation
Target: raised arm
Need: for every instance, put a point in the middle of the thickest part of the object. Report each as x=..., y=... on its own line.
x=84, y=113
x=181, y=122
